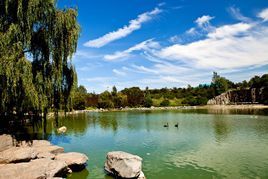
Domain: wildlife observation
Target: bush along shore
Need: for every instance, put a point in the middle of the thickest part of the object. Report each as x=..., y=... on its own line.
x=253, y=91
x=36, y=159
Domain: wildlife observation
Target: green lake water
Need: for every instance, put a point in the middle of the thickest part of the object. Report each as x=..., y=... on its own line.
x=207, y=144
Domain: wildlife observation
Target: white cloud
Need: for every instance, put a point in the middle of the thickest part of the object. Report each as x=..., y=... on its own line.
x=81, y=54
x=89, y=66
x=236, y=51
x=204, y=20
x=98, y=79
x=124, y=31
x=232, y=51
x=191, y=31
x=170, y=81
x=230, y=30
x=160, y=68
x=119, y=73
x=143, y=69
x=264, y=14
x=145, y=45
x=175, y=39
x=235, y=12
x=161, y=4
x=203, y=26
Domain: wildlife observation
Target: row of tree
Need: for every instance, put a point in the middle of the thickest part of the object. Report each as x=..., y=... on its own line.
x=135, y=97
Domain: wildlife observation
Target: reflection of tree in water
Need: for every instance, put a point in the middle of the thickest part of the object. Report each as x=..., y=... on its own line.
x=108, y=121
x=76, y=124
x=221, y=128
x=245, y=110
x=26, y=129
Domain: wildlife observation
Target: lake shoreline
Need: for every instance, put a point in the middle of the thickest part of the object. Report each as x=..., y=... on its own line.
x=216, y=107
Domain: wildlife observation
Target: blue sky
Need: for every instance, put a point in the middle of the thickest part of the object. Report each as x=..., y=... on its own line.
x=169, y=43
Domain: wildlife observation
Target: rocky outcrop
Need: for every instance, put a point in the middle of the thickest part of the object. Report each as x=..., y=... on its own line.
x=17, y=154
x=243, y=96
x=40, y=168
x=124, y=165
x=75, y=161
x=36, y=159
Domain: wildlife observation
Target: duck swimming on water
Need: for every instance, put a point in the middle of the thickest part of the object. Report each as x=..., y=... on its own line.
x=166, y=125
x=177, y=125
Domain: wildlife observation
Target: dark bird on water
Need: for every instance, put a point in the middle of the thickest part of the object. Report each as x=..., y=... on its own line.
x=166, y=125
x=177, y=125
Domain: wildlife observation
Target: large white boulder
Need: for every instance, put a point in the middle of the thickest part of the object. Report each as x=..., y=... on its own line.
x=122, y=164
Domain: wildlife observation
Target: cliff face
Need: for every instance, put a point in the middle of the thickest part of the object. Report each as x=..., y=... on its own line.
x=245, y=96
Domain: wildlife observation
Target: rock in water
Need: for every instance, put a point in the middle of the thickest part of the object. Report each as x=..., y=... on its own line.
x=75, y=161
x=62, y=129
x=125, y=165
x=40, y=168
x=17, y=154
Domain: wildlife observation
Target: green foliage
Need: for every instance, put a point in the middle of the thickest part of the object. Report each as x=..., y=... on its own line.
x=195, y=101
x=165, y=102
x=36, y=29
x=221, y=84
x=148, y=102
x=193, y=96
x=135, y=96
x=79, y=98
x=258, y=82
x=105, y=104
x=105, y=100
x=92, y=100
x=120, y=100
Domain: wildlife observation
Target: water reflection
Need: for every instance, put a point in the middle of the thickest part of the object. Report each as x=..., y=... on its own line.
x=81, y=175
x=78, y=124
x=221, y=127
x=235, y=111
x=190, y=151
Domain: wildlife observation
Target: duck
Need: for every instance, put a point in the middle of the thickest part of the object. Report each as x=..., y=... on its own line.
x=177, y=125
x=166, y=125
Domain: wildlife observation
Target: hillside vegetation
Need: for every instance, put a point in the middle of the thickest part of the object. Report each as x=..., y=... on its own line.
x=135, y=97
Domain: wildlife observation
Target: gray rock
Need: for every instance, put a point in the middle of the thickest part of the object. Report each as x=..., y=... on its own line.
x=240, y=96
x=46, y=155
x=53, y=149
x=75, y=161
x=34, y=143
x=125, y=165
x=6, y=142
x=43, y=148
x=17, y=154
x=40, y=168
x=36, y=159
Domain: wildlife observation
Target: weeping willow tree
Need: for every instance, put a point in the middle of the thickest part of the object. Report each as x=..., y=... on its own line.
x=37, y=42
